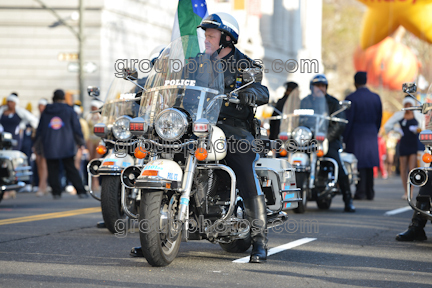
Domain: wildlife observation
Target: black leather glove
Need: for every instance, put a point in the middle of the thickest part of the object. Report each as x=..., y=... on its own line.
x=247, y=96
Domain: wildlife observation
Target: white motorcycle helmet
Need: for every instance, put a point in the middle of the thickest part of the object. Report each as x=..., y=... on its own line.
x=225, y=23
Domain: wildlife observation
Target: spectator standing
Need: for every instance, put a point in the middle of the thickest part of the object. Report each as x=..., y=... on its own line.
x=42, y=170
x=408, y=124
x=60, y=133
x=14, y=120
x=361, y=133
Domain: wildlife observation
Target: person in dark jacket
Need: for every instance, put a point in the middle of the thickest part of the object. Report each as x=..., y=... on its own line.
x=275, y=124
x=319, y=85
x=361, y=133
x=60, y=132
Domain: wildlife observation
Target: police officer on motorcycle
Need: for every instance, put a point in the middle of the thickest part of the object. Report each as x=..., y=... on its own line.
x=318, y=86
x=237, y=122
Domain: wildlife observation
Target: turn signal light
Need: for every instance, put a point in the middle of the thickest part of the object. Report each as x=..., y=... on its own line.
x=283, y=153
x=150, y=173
x=101, y=149
x=201, y=154
x=427, y=158
x=140, y=153
x=320, y=153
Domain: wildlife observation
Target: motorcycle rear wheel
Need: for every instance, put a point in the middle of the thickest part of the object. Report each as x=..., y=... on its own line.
x=159, y=246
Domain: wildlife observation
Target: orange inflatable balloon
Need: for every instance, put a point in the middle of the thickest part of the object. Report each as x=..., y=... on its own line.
x=389, y=62
x=384, y=16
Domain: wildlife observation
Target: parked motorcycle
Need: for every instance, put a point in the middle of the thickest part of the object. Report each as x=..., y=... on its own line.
x=185, y=190
x=121, y=105
x=303, y=130
x=14, y=168
x=418, y=177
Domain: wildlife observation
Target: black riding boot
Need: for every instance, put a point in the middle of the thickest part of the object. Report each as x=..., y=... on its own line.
x=136, y=252
x=415, y=230
x=256, y=214
x=346, y=194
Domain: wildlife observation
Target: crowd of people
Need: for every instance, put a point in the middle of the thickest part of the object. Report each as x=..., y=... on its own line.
x=56, y=143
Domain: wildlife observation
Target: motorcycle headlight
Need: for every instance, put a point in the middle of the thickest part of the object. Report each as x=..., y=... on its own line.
x=302, y=135
x=171, y=124
x=120, y=128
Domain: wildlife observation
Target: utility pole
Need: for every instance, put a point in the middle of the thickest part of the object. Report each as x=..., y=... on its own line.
x=80, y=38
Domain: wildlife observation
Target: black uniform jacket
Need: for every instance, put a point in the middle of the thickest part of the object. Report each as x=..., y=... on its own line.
x=232, y=115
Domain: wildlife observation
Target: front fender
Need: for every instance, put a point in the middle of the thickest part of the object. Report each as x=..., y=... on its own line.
x=113, y=164
x=160, y=175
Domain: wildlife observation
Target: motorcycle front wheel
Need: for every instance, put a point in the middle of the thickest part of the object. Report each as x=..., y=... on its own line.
x=160, y=234
x=324, y=203
x=302, y=183
x=110, y=202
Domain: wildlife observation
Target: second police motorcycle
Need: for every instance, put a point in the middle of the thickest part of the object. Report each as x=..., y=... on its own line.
x=303, y=130
x=121, y=104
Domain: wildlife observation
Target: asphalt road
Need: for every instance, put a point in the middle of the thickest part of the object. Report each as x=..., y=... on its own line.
x=350, y=250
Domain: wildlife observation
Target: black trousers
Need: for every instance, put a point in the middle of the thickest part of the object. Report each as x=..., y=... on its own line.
x=241, y=158
x=343, y=180
x=72, y=175
x=365, y=186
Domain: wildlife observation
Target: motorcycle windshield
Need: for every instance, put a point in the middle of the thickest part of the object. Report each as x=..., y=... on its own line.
x=186, y=77
x=120, y=101
x=310, y=112
x=428, y=114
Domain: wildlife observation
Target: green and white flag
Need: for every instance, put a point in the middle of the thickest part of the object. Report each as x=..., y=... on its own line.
x=189, y=15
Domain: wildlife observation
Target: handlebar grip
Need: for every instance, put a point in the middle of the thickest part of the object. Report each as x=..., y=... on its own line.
x=413, y=108
x=234, y=100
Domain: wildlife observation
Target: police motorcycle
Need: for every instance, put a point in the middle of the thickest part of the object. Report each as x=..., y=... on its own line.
x=120, y=106
x=303, y=130
x=185, y=190
x=14, y=168
x=419, y=177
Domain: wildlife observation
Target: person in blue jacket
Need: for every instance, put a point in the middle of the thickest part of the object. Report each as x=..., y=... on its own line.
x=361, y=133
x=60, y=132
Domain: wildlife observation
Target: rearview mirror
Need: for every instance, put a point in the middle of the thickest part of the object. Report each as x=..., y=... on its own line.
x=409, y=87
x=252, y=75
x=93, y=91
x=130, y=74
x=346, y=104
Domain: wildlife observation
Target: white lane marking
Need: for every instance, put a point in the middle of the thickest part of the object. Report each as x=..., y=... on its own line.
x=280, y=248
x=397, y=211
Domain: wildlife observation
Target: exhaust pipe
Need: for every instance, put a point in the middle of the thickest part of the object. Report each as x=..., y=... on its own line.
x=129, y=176
x=418, y=177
